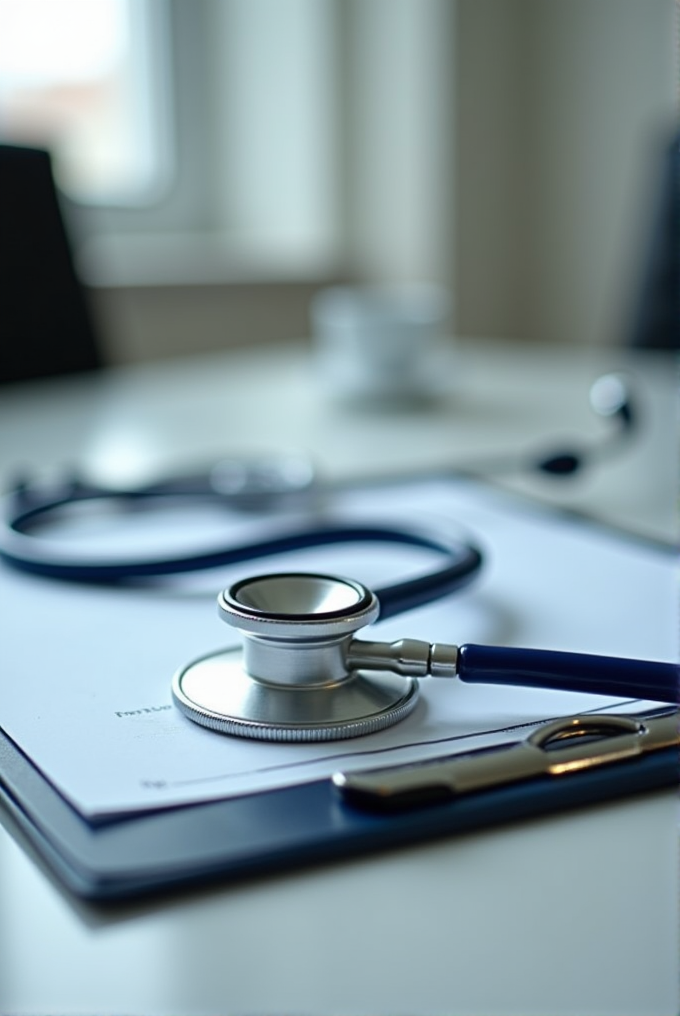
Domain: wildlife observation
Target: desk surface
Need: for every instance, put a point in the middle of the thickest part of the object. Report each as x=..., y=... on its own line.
x=570, y=914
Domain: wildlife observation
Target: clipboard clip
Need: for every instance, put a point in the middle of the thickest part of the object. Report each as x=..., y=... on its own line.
x=558, y=749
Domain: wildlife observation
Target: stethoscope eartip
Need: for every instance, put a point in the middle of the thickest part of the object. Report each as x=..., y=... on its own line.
x=610, y=396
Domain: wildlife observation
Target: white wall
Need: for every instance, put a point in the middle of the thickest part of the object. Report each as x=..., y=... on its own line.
x=498, y=147
x=560, y=110
x=397, y=137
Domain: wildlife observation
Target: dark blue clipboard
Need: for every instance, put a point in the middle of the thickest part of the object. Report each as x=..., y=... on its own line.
x=274, y=830
x=269, y=831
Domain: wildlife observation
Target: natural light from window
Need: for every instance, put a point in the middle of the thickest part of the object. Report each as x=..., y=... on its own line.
x=77, y=77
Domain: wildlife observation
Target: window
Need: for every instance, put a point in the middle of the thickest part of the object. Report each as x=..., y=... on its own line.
x=198, y=135
x=82, y=78
x=234, y=139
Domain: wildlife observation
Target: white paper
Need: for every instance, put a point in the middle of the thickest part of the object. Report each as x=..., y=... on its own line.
x=85, y=671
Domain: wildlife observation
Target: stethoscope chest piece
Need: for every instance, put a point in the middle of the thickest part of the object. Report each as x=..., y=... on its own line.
x=302, y=676
x=293, y=679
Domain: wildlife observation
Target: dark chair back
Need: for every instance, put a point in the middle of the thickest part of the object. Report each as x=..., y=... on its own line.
x=656, y=322
x=46, y=327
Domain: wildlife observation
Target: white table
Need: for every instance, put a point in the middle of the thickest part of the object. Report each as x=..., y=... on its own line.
x=569, y=914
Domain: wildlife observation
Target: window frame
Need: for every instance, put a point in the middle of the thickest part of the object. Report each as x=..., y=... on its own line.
x=210, y=223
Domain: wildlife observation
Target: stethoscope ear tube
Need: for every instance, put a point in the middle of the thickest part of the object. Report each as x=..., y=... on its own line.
x=465, y=561
x=461, y=560
x=580, y=672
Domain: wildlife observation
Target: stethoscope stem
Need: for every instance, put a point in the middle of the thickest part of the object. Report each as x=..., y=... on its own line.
x=531, y=668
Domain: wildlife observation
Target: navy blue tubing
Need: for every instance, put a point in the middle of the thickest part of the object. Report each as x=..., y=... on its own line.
x=462, y=561
x=540, y=668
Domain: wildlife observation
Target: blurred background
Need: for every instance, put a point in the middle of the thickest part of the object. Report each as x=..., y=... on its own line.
x=222, y=160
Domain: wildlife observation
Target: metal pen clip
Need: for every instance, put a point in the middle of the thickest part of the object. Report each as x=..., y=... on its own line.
x=556, y=749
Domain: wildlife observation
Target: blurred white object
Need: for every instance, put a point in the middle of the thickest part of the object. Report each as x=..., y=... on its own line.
x=377, y=345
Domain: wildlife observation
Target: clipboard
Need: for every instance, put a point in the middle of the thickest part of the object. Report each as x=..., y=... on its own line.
x=281, y=829
x=120, y=856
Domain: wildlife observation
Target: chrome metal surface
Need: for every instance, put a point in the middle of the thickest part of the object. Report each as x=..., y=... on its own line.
x=255, y=480
x=217, y=693
x=406, y=656
x=295, y=595
x=308, y=663
x=298, y=606
x=554, y=749
x=297, y=627
x=300, y=675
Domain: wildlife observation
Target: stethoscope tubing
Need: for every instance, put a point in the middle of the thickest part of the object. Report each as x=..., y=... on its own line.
x=462, y=560
x=567, y=671
x=27, y=553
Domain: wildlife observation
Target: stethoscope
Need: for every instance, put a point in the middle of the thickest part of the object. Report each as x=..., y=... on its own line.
x=301, y=675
